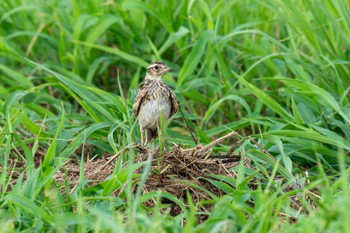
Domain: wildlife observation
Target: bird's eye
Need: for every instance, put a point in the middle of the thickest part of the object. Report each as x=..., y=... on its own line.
x=156, y=67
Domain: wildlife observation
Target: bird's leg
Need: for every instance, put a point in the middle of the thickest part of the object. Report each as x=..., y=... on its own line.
x=148, y=135
x=142, y=137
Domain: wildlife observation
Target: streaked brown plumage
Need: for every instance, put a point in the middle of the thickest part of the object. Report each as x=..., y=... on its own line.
x=154, y=100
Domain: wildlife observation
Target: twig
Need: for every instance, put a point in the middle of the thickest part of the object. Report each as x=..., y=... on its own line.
x=226, y=159
x=188, y=128
x=113, y=157
x=232, y=149
x=225, y=156
x=261, y=148
x=206, y=148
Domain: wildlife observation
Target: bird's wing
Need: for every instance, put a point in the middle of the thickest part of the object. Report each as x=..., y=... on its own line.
x=174, y=104
x=139, y=98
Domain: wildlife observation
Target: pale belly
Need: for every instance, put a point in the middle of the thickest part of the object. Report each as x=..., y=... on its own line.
x=151, y=112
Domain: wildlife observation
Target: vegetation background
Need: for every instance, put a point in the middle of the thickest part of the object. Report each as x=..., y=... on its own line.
x=278, y=71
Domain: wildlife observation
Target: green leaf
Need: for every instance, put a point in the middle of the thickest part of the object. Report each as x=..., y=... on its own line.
x=278, y=142
x=16, y=77
x=266, y=99
x=124, y=55
x=173, y=37
x=194, y=58
x=27, y=205
x=131, y=5
x=213, y=108
x=12, y=99
x=325, y=97
x=100, y=28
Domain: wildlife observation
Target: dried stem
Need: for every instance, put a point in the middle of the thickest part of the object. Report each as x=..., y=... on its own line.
x=260, y=147
x=206, y=148
x=187, y=127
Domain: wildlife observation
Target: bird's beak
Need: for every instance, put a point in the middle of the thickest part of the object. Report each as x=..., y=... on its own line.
x=167, y=70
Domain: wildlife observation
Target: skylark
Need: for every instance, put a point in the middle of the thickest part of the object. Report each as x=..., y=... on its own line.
x=154, y=100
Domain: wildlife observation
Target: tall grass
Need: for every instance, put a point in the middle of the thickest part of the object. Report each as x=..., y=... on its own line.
x=277, y=71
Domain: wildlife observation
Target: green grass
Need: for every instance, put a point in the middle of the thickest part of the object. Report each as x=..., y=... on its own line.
x=277, y=71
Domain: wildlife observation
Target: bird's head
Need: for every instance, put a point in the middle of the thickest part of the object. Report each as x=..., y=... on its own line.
x=157, y=70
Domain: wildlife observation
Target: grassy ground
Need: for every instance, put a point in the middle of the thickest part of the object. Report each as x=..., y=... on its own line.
x=277, y=72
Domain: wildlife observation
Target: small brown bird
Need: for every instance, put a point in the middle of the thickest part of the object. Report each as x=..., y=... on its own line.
x=154, y=100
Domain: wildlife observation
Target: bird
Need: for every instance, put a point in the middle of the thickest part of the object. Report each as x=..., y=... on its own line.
x=154, y=100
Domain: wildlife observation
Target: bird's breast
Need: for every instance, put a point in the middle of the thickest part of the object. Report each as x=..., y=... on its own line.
x=152, y=110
